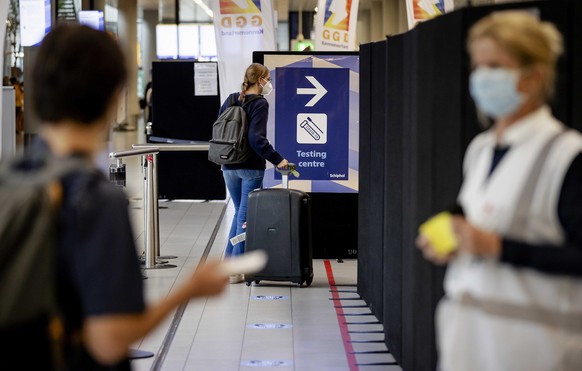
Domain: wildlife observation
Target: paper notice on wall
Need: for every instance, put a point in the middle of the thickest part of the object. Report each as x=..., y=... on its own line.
x=205, y=79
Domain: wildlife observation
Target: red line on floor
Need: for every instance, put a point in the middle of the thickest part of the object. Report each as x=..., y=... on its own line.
x=341, y=320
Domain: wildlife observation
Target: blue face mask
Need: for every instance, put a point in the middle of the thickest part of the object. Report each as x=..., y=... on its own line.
x=494, y=91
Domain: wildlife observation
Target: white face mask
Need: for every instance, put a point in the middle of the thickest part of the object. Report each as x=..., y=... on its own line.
x=267, y=88
x=494, y=91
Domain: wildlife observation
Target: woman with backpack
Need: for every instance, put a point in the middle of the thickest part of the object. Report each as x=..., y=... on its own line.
x=243, y=178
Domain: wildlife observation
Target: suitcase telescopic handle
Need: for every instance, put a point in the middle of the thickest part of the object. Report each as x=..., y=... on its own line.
x=285, y=174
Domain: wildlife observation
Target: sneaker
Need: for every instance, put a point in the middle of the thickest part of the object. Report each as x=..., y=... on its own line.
x=236, y=278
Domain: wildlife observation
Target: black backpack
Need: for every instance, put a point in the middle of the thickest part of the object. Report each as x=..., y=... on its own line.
x=229, y=144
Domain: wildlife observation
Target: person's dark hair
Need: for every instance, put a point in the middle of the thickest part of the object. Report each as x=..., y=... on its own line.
x=77, y=71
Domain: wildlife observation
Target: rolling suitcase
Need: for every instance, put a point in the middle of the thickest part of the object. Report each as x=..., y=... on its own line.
x=279, y=222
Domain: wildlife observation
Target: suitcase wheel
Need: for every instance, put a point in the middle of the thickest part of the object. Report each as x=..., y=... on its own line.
x=248, y=283
x=257, y=281
x=307, y=282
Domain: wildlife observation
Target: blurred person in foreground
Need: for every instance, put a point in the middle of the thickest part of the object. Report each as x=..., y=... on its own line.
x=514, y=284
x=77, y=80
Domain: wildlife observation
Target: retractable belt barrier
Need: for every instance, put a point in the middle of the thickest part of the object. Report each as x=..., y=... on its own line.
x=117, y=176
x=149, y=153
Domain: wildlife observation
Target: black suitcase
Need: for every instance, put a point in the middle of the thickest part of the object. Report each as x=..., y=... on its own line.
x=279, y=222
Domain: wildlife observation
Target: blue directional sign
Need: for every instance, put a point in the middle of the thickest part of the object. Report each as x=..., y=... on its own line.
x=312, y=120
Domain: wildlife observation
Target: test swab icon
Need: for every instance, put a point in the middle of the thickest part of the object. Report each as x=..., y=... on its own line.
x=310, y=127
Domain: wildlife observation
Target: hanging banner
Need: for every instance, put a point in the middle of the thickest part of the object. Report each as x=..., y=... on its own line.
x=335, y=27
x=423, y=10
x=241, y=27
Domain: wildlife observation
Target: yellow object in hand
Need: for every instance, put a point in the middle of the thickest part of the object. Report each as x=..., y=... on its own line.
x=439, y=232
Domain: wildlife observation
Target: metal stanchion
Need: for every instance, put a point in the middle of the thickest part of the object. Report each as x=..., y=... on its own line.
x=117, y=172
x=150, y=253
x=157, y=213
x=200, y=146
x=150, y=201
x=152, y=258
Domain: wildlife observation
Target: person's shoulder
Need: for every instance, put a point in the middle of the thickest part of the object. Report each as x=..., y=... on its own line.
x=232, y=97
x=482, y=139
x=89, y=186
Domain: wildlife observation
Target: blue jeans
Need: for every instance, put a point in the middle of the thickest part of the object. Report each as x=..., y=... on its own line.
x=239, y=184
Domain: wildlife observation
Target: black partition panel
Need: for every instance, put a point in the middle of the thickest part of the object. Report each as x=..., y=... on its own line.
x=335, y=217
x=178, y=113
x=373, y=212
x=426, y=119
x=393, y=188
x=365, y=254
x=189, y=175
x=575, y=50
x=433, y=148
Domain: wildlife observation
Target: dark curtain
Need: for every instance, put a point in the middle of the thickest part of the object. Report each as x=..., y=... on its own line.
x=179, y=114
x=416, y=120
x=371, y=214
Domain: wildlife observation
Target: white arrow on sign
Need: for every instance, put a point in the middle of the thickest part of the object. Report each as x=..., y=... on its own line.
x=318, y=91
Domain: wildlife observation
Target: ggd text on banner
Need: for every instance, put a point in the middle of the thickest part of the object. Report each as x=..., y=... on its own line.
x=335, y=27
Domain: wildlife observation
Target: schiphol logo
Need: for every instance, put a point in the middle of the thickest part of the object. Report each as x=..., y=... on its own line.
x=240, y=6
x=336, y=14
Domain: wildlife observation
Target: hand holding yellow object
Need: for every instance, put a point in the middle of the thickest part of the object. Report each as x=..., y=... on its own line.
x=438, y=230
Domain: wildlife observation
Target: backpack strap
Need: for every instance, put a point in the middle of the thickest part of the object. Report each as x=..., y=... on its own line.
x=231, y=100
x=248, y=101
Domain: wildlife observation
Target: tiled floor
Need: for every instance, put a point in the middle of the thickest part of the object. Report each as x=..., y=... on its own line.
x=271, y=325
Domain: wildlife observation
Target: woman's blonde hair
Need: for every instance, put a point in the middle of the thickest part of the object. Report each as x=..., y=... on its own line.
x=252, y=75
x=528, y=40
